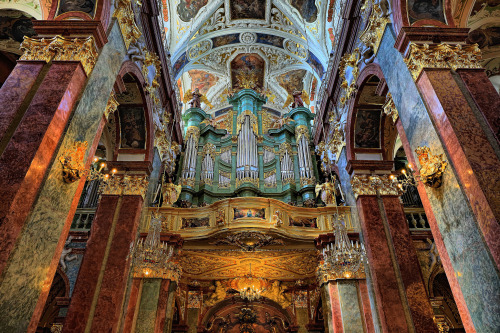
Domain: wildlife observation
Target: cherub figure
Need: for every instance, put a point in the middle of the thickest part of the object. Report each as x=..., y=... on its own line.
x=297, y=99
x=280, y=122
x=196, y=98
x=65, y=255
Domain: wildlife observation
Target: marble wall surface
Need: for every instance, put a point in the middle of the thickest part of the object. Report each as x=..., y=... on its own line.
x=469, y=268
x=33, y=262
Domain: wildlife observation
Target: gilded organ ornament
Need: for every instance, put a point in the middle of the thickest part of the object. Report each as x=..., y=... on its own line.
x=196, y=98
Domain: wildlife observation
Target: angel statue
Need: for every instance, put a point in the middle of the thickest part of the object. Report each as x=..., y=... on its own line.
x=280, y=122
x=171, y=193
x=196, y=98
x=297, y=99
x=327, y=190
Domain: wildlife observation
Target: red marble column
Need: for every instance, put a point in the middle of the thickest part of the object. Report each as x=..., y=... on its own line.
x=409, y=267
x=385, y=283
x=30, y=150
x=100, y=289
x=484, y=95
x=471, y=154
x=133, y=305
x=161, y=311
x=365, y=305
x=438, y=239
x=336, y=311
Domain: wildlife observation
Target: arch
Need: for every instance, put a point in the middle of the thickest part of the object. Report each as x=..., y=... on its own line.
x=131, y=77
x=371, y=76
x=265, y=310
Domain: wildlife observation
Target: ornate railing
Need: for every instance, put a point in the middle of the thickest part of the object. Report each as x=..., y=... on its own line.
x=248, y=212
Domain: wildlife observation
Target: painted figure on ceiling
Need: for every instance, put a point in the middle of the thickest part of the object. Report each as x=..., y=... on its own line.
x=196, y=98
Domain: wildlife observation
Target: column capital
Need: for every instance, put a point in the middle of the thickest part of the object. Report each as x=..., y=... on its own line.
x=126, y=185
x=371, y=184
x=59, y=48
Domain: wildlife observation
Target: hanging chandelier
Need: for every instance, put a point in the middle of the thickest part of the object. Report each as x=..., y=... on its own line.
x=344, y=259
x=249, y=292
x=152, y=258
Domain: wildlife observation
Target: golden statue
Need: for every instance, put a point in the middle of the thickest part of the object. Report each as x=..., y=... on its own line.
x=297, y=99
x=196, y=98
x=218, y=295
x=171, y=193
x=431, y=172
x=327, y=190
x=277, y=293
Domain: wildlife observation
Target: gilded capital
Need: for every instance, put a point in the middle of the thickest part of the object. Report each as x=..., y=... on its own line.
x=126, y=185
x=371, y=184
x=442, y=55
x=59, y=48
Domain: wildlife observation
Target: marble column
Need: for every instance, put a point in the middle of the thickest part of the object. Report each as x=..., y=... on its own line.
x=401, y=297
x=473, y=155
x=48, y=203
x=99, y=292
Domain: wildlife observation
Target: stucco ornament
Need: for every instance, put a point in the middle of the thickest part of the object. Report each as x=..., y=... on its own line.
x=432, y=167
x=171, y=193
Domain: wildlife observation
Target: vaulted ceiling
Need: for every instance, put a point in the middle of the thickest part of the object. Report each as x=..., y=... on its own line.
x=287, y=41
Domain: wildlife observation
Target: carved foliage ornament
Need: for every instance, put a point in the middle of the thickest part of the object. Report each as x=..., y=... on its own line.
x=126, y=20
x=72, y=162
x=59, y=48
x=300, y=131
x=111, y=106
x=249, y=240
x=375, y=27
x=390, y=109
x=349, y=72
x=442, y=56
x=126, y=185
x=370, y=184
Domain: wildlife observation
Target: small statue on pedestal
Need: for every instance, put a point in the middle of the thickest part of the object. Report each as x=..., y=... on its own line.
x=196, y=98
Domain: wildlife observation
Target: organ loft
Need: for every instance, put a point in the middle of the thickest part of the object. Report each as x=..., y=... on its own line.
x=249, y=166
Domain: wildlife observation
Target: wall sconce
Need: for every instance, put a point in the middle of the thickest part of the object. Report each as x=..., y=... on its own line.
x=430, y=173
x=73, y=167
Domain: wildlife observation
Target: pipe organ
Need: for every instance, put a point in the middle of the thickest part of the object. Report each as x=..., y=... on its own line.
x=240, y=154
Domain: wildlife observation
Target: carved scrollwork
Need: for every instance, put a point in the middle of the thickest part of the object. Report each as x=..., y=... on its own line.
x=442, y=56
x=390, y=109
x=126, y=185
x=61, y=49
x=370, y=184
x=126, y=20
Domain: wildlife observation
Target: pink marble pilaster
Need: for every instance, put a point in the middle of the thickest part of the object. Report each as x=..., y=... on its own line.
x=30, y=150
x=473, y=158
x=365, y=306
x=13, y=93
x=385, y=283
x=112, y=290
x=161, y=311
x=133, y=300
x=336, y=311
x=92, y=264
x=409, y=267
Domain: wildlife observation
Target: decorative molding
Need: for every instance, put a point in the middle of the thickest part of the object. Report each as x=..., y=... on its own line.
x=349, y=60
x=301, y=130
x=375, y=27
x=307, y=181
x=126, y=185
x=59, y=48
x=253, y=181
x=249, y=240
x=390, y=109
x=187, y=182
x=371, y=184
x=442, y=55
x=126, y=20
x=209, y=148
x=111, y=106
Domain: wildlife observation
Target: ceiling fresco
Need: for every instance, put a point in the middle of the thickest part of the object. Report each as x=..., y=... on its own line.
x=275, y=40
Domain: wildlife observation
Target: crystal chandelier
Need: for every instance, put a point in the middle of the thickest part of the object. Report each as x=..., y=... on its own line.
x=250, y=293
x=152, y=258
x=344, y=259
